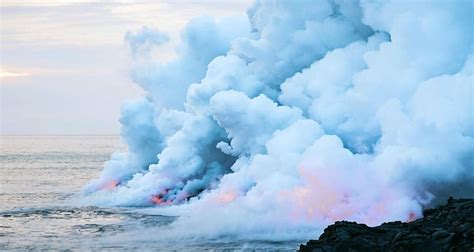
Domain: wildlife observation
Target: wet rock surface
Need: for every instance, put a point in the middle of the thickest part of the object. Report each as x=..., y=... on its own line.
x=449, y=227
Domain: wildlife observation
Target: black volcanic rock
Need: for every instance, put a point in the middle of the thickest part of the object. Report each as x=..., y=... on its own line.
x=448, y=227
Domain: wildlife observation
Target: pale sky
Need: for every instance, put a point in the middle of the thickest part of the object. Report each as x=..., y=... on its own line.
x=64, y=64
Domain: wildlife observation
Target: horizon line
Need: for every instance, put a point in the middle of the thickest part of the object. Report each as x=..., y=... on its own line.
x=91, y=134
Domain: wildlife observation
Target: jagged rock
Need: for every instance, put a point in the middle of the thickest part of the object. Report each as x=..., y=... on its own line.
x=448, y=227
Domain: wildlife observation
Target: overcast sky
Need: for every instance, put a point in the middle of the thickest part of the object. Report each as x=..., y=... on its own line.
x=64, y=64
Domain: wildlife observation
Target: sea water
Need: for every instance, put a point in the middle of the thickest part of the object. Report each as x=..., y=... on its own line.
x=40, y=176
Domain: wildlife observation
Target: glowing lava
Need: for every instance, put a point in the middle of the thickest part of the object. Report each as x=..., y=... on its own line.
x=109, y=185
x=159, y=200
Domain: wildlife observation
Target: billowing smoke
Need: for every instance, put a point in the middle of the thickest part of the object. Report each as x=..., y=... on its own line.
x=301, y=114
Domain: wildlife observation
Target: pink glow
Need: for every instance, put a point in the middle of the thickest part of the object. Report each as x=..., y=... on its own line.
x=109, y=185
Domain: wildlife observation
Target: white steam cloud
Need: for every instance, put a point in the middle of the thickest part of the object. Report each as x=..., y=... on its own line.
x=302, y=114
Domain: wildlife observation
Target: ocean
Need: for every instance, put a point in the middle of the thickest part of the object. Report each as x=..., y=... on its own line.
x=40, y=179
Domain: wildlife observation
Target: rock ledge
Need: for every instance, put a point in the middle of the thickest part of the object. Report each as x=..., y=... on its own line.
x=448, y=227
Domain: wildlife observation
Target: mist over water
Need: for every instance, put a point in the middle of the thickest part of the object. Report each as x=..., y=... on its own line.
x=275, y=124
x=40, y=177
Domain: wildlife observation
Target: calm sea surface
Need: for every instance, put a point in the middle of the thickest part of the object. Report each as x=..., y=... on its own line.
x=39, y=176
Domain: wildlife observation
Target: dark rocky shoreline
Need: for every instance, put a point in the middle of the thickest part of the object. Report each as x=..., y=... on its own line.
x=449, y=227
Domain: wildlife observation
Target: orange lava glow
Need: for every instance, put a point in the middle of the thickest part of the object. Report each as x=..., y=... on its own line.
x=158, y=200
x=109, y=186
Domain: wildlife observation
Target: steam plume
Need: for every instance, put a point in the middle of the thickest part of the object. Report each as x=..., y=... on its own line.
x=299, y=115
